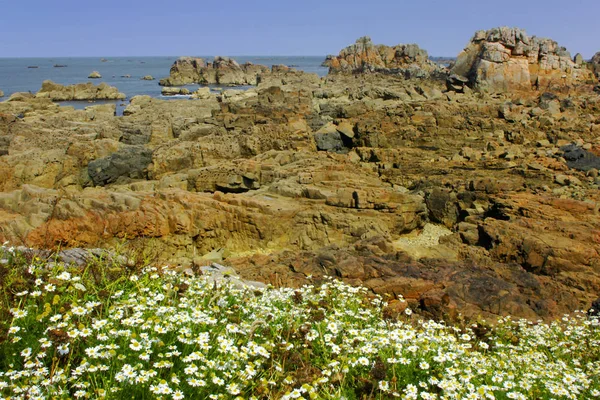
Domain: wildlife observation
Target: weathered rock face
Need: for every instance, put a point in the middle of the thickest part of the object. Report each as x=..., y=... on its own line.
x=131, y=162
x=595, y=63
x=364, y=56
x=505, y=59
x=79, y=91
x=222, y=71
x=343, y=175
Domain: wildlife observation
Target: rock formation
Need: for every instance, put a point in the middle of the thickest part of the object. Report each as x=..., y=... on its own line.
x=595, y=64
x=174, y=91
x=95, y=75
x=223, y=71
x=79, y=91
x=506, y=59
x=363, y=56
x=469, y=203
x=148, y=78
x=1, y=93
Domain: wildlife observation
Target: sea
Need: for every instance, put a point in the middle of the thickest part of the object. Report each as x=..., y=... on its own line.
x=27, y=74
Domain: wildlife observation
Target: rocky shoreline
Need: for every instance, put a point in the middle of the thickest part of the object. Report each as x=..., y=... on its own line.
x=472, y=190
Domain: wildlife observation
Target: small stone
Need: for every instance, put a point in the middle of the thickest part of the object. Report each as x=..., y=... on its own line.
x=561, y=179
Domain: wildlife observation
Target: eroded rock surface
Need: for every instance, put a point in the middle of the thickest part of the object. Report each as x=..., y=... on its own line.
x=363, y=56
x=505, y=59
x=302, y=177
x=223, y=71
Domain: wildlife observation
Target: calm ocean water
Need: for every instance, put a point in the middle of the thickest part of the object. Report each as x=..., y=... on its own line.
x=16, y=76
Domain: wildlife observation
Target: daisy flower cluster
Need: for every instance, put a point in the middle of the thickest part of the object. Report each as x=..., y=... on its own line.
x=156, y=333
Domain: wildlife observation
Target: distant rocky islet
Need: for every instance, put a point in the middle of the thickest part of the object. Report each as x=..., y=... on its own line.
x=470, y=190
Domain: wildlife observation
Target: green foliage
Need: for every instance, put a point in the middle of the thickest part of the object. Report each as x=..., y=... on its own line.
x=106, y=332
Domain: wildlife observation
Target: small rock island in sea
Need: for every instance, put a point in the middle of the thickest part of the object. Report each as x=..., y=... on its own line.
x=471, y=190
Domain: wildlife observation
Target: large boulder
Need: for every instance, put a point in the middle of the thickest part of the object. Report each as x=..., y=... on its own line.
x=222, y=71
x=504, y=59
x=595, y=64
x=79, y=91
x=95, y=75
x=364, y=56
x=129, y=162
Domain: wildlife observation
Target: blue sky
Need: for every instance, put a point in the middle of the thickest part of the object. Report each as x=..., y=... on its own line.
x=46, y=28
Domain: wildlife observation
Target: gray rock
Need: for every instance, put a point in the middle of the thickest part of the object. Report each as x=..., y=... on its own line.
x=331, y=141
x=219, y=274
x=580, y=159
x=129, y=162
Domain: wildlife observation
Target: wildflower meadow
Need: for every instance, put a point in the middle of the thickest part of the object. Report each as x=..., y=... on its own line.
x=153, y=333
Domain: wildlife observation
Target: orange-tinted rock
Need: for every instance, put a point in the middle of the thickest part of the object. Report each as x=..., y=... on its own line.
x=363, y=56
x=506, y=59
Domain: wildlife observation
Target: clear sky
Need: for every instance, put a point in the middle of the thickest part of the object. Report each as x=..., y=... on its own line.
x=52, y=28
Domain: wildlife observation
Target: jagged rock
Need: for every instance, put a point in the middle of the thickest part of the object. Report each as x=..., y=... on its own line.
x=504, y=59
x=222, y=71
x=131, y=162
x=95, y=75
x=363, y=56
x=79, y=91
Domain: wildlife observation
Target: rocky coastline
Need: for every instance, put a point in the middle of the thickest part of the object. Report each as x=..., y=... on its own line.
x=471, y=191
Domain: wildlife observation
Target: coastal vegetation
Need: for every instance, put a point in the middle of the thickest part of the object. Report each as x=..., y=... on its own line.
x=106, y=331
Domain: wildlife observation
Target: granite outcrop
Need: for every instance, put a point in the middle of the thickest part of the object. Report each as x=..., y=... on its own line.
x=464, y=202
x=222, y=70
x=363, y=56
x=507, y=59
x=79, y=91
